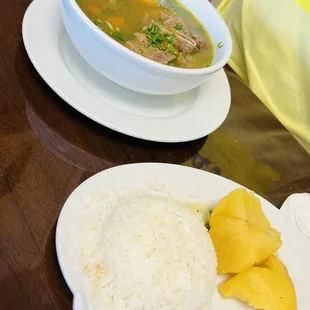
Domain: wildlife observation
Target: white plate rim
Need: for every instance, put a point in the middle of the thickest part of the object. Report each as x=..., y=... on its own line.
x=159, y=130
x=300, y=245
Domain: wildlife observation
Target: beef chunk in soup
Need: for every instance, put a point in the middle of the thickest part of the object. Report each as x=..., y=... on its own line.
x=140, y=46
x=184, y=43
x=174, y=22
x=200, y=42
x=162, y=57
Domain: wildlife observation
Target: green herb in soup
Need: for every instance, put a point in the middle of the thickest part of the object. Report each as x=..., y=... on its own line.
x=163, y=31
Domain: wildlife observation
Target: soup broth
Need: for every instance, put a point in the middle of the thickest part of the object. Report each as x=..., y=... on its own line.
x=164, y=31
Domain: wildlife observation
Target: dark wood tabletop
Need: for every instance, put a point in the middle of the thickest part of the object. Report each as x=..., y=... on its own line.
x=47, y=149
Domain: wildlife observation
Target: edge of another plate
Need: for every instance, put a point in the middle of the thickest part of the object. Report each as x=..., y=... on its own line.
x=159, y=130
x=207, y=188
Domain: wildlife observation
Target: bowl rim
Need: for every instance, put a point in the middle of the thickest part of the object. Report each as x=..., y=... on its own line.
x=118, y=47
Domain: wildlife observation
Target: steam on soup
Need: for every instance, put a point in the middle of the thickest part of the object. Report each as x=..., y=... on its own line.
x=162, y=31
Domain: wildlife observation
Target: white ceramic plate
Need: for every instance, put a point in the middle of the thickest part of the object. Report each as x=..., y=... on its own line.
x=184, y=183
x=177, y=118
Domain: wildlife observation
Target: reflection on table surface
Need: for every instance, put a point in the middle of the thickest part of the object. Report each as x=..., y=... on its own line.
x=47, y=149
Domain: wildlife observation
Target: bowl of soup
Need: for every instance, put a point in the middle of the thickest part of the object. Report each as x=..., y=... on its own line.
x=158, y=47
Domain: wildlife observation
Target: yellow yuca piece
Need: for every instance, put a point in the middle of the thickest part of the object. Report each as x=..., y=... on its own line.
x=241, y=233
x=266, y=286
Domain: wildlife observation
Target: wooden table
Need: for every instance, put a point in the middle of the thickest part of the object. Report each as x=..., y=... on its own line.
x=47, y=149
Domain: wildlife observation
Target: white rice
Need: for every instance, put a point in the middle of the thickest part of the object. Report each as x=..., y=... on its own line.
x=148, y=253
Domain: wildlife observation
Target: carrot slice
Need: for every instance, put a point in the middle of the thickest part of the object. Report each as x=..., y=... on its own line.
x=93, y=10
x=117, y=21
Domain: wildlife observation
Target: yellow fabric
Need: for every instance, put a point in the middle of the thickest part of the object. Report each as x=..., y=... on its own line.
x=271, y=53
x=304, y=4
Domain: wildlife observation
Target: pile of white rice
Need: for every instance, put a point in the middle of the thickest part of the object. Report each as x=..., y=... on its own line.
x=148, y=253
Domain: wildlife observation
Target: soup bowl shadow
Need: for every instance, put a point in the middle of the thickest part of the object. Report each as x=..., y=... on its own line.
x=79, y=141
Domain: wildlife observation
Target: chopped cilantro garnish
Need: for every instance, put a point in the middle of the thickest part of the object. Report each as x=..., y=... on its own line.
x=162, y=41
x=170, y=38
x=178, y=27
x=153, y=29
x=118, y=35
x=172, y=50
x=220, y=45
x=157, y=38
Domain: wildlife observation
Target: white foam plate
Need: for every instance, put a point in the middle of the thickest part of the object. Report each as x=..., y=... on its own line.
x=184, y=183
x=176, y=118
